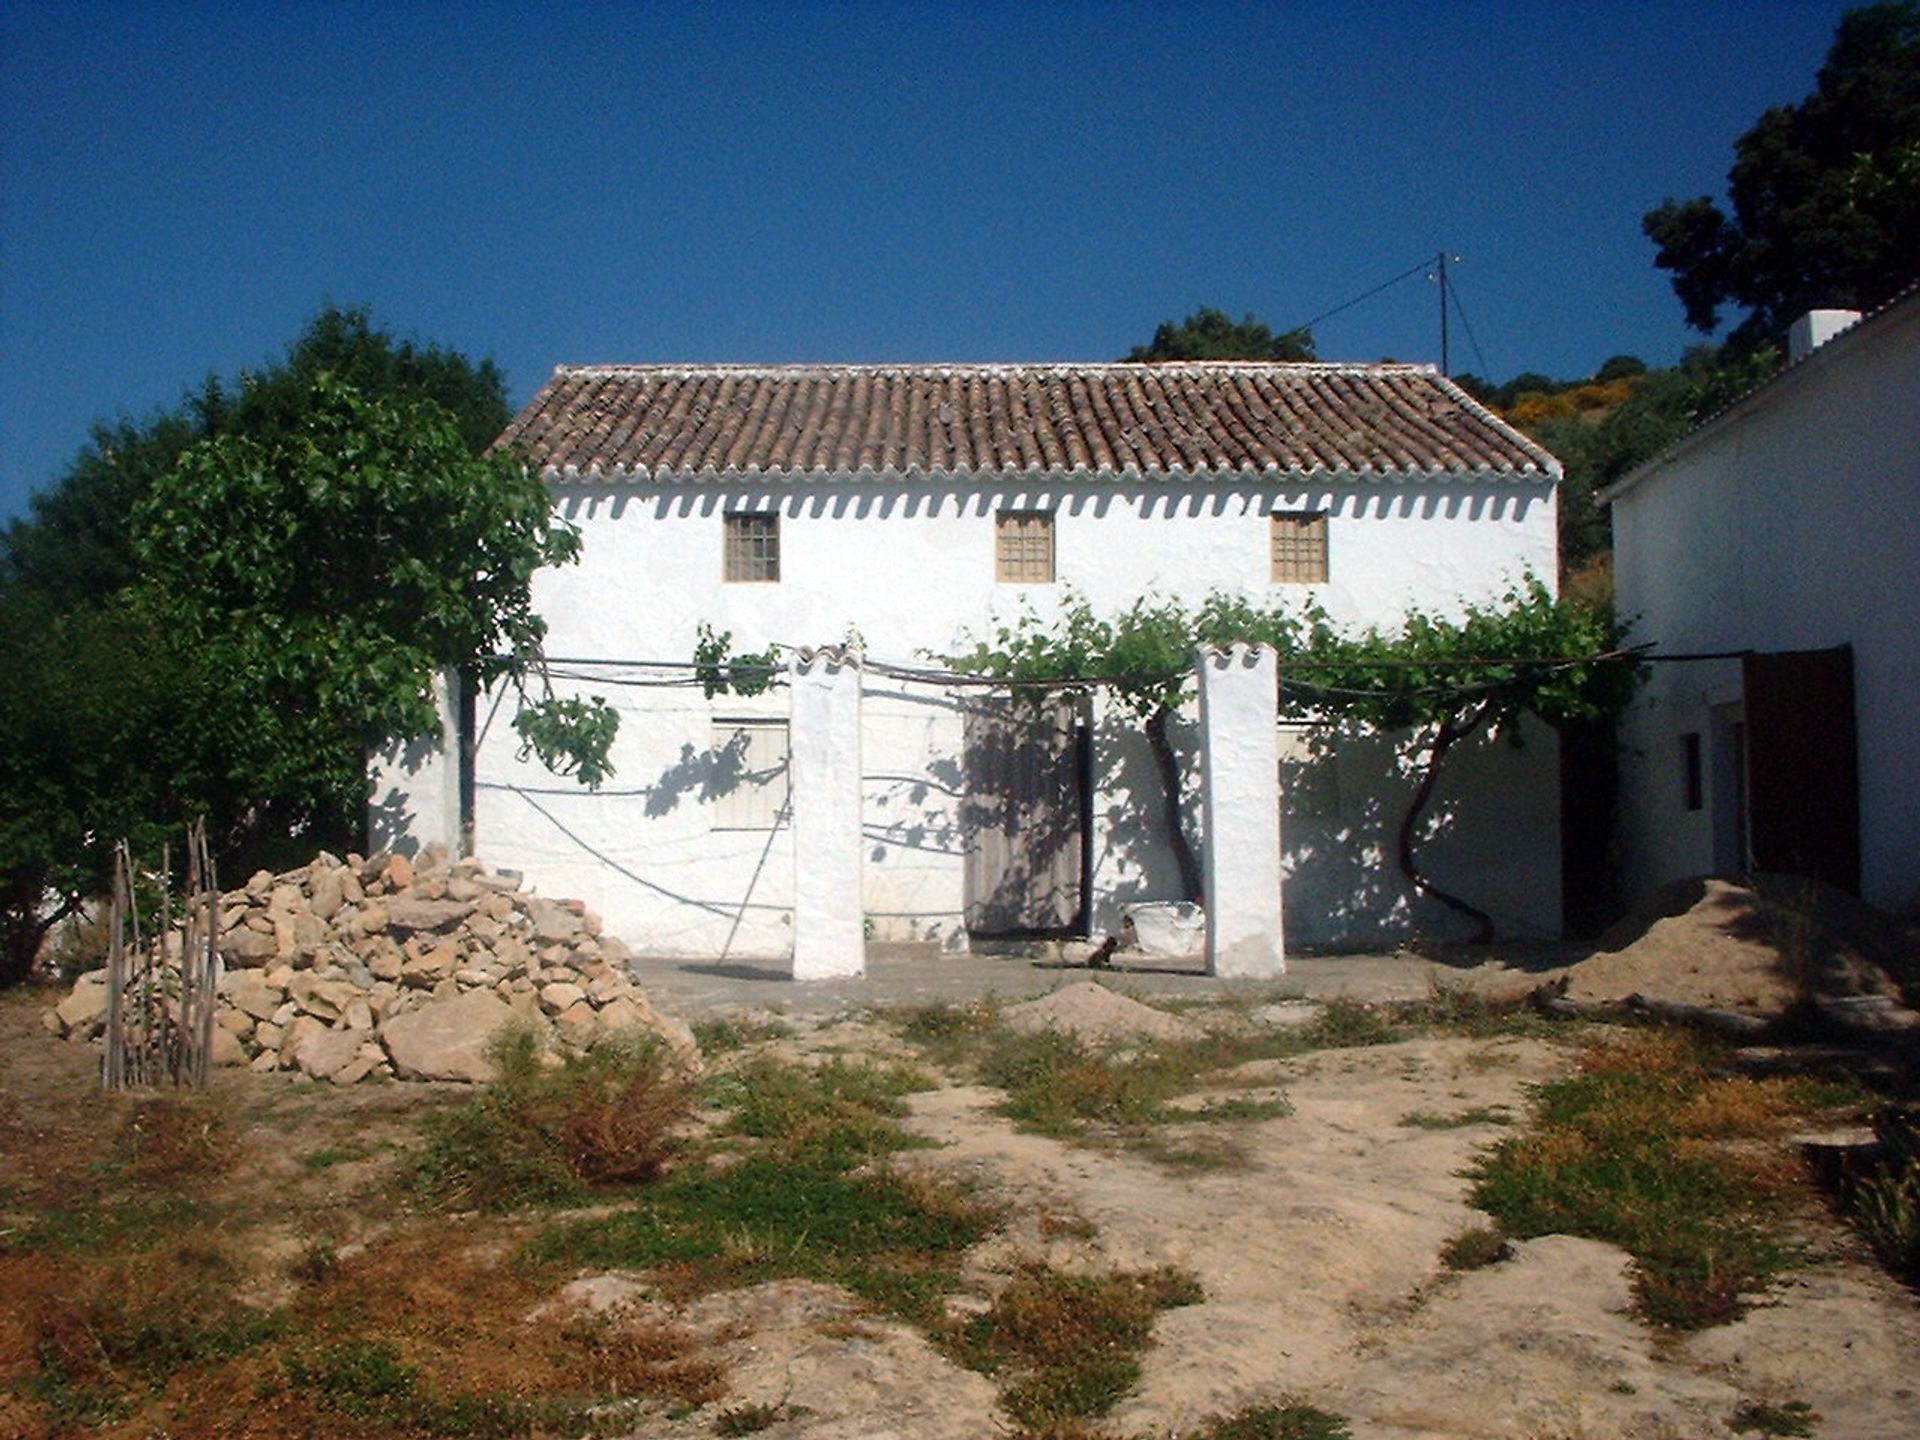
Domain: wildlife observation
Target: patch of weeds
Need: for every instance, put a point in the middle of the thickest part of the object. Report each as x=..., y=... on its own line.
x=1475, y=1248
x=325, y=1158
x=1288, y=1420
x=948, y=1035
x=172, y=1140
x=1792, y=1417
x=619, y=1355
x=103, y=1337
x=1344, y=1024
x=1240, y=1107
x=317, y=1263
x=1629, y=1151
x=843, y=1107
x=723, y=1035
x=752, y=1419
x=1459, y=1120
x=1068, y=1345
x=548, y=1134
x=893, y=1239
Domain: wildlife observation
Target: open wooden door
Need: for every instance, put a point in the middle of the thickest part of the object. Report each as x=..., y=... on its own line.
x=1025, y=818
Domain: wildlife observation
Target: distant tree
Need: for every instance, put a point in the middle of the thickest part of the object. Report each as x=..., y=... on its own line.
x=1209, y=334
x=74, y=546
x=1825, y=193
x=1620, y=367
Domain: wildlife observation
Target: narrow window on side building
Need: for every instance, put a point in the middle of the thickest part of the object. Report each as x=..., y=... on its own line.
x=748, y=785
x=1692, y=776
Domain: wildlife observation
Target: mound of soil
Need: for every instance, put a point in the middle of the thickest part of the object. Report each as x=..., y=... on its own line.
x=1094, y=1012
x=1760, y=948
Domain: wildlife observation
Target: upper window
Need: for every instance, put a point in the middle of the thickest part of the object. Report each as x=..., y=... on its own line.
x=753, y=547
x=1023, y=547
x=1299, y=547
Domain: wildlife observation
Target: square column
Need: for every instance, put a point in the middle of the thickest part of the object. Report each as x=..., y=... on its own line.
x=413, y=790
x=829, y=918
x=1240, y=789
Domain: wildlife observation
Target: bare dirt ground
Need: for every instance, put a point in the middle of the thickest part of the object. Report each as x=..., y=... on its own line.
x=1318, y=1260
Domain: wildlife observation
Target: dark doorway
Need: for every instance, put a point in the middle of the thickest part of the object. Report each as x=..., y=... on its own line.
x=1803, y=766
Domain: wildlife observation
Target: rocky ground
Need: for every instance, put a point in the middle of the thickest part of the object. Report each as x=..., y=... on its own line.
x=1318, y=1257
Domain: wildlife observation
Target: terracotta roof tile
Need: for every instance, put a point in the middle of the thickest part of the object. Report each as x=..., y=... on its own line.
x=1211, y=418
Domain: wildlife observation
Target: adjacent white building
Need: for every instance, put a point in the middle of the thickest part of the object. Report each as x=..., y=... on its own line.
x=905, y=509
x=1784, y=536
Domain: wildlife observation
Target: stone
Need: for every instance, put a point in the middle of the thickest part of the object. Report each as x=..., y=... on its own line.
x=504, y=881
x=351, y=890
x=448, y=1039
x=371, y=919
x=358, y=1016
x=499, y=907
x=226, y=1050
x=286, y=1013
x=430, y=887
x=280, y=976
x=459, y=887
x=556, y=998
x=328, y=1052
x=429, y=969
x=609, y=987
x=235, y=1022
x=353, y=1072
x=259, y=883
x=286, y=902
x=551, y=921
x=300, y=1033
x=399, y=871
x=246, y=948
x=264, y=1062
x=578, y=1024
x=329, y=891
x=249, y=993
x=326, y=999
x=614, y=950
x=84, y=1009
x=309, y=931
x=427, y=915
x=268, y=1036
x=472, y=978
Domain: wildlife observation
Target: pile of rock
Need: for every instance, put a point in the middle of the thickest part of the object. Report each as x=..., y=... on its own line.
x=343, y=970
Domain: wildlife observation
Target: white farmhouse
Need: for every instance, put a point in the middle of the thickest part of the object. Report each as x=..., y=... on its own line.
x=904, y=508
x=1784, y=536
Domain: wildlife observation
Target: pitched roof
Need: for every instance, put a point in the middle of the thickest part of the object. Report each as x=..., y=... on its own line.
x=1218, y=418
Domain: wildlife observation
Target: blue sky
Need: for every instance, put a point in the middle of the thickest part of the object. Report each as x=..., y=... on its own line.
x=182, y=185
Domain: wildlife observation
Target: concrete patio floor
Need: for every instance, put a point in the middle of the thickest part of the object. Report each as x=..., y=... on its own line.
x=909, y=975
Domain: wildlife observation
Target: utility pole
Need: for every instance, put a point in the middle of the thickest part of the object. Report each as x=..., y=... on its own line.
x=1446, y=358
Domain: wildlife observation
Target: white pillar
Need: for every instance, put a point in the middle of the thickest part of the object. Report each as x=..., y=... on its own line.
x=414, y=788
x=1240, y=788
x=829, y=920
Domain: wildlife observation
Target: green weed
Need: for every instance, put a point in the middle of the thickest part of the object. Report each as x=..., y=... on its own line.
x=1627, y=1151
x=1793, y=1417
x=1475, y=1248
x=1068, y=1345
x=1287, y=1420
x=540, y=1134
x=843, y=1107
x=1478, y=1115
x=722, y=1035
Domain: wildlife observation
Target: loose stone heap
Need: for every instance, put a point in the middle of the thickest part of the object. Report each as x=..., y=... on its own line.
x=343, y=970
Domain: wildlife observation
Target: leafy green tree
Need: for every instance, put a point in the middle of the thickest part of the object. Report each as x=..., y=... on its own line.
x=1444, y=679
x=319, y=576
x=90, y=752
x=1209, y=334
x=1825, y=193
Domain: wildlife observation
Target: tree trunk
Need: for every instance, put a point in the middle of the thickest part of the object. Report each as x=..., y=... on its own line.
x=1168, y=764
x=1444, y=739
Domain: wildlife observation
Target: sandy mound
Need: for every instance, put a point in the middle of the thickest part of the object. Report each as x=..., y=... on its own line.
x=1757, y=949
x=1094, y=1012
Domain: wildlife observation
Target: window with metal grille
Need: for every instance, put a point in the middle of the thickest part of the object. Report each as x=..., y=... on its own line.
x=749, y=780
x=1299, y=547
x=753, y=547
x=1023, y=547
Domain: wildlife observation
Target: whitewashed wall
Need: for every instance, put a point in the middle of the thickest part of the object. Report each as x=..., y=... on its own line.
x=909, y=565
x=1791, y=524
